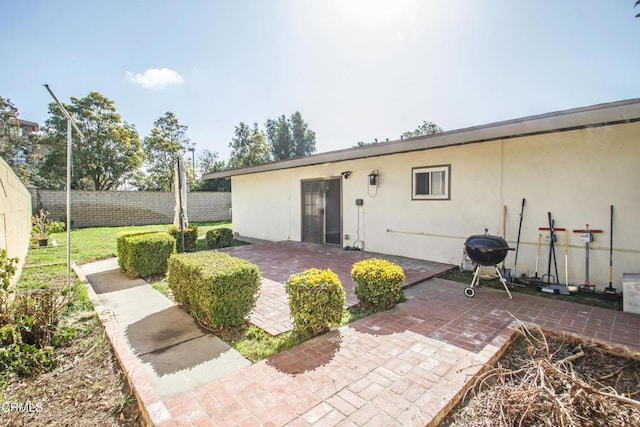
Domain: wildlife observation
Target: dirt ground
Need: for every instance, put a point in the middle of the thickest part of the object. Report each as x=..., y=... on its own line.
x=87, y=388
x=612, y=373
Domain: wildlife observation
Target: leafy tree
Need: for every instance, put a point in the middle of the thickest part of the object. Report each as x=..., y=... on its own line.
x=290, y=137
x=280, y=140
x=14, y=146
x=166, y=142
x=637, y=3
x=208, y=162
x=110, y=152
x=248, y=147
x=426, y=128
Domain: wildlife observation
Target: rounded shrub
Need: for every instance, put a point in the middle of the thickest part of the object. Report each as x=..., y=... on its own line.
x=316, y=300
x=219, y=238
x=190, y=238
x=378, y=282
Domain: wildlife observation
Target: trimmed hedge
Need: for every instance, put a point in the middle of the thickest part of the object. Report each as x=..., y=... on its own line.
x=145, y=254
x=378, y=282
x=217, y=289
x=123, y=255
x=219, y=238
x=190, y=238
x=316, y=300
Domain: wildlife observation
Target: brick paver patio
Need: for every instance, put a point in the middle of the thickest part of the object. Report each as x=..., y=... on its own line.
x=279, y=260
x=399, y=367
x=404, y=366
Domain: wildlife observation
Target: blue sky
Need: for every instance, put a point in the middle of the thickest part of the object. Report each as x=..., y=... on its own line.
x=356, y=70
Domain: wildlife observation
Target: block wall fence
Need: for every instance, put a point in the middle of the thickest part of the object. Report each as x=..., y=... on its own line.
x=121, y=208
x=15, y=216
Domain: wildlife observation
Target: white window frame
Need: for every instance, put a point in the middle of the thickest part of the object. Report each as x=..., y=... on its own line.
x=446, y=195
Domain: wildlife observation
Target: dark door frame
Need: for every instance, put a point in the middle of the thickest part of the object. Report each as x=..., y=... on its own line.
x=326, y=208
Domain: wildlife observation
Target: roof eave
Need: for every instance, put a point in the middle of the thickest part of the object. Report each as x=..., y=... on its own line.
x=595, y=115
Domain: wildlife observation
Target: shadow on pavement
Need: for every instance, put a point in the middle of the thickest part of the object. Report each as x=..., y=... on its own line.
x=317, y=352
x=170, y=340
x=111, y=281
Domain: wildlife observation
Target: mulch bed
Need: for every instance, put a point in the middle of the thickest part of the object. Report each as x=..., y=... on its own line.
x=554, y=381
x=87, y=388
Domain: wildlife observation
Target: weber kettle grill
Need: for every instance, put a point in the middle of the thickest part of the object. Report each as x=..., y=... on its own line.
x=489, y=251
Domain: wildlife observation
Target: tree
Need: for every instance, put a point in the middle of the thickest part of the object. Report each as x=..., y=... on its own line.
x=166, y=142
x=16, y=149
x=426, y=128
x=280, y=139
x=637, y=3
x=208, y=162
x=248, y=147
x=304, y=139
x=110, y=152
x=291, y=137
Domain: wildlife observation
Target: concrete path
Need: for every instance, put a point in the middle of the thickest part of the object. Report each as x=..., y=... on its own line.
x=172, y=354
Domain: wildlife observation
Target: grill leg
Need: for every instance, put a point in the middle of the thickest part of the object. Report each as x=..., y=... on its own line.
x=470, y=292
x=475, y=277
x=504, y=282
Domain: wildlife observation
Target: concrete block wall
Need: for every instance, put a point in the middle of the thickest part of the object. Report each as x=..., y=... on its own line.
x=121, y=208
x=15, y=215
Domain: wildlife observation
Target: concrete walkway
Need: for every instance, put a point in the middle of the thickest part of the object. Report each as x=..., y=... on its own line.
x=404, y=366
x=157, y=342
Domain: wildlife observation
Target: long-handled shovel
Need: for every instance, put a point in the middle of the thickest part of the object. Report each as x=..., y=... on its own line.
x=515, y=262
x=538, y=255
x=572, y=288
x=610, y=289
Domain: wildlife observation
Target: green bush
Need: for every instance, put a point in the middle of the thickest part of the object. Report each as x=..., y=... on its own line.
x=145, y=254
x=29, y=324
x=378, y=282
x=219, y=238
x=217, y=289
x=57, y=227
x=123, y=255
x=316, y=300
x=22, y=358
x=190, y=238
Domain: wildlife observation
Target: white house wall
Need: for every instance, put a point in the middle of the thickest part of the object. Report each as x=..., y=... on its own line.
x=575, y=175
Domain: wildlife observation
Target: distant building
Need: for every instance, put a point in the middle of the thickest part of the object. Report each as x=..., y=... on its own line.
x=26, y=129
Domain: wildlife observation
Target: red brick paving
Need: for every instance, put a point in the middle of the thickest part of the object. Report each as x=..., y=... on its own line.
x=404, y=366
x=399, y=367
x=279, y=260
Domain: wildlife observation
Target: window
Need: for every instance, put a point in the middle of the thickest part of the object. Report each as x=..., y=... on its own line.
x=431, y=183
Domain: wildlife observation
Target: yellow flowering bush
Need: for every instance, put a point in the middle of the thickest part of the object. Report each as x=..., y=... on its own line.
x=316, y=300
x=378, y=282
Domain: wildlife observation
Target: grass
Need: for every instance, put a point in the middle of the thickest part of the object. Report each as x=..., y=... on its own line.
x=256, y=344
x=593, y=299
x=92, y=244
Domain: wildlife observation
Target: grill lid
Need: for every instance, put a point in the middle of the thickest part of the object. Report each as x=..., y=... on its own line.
x=486, y=249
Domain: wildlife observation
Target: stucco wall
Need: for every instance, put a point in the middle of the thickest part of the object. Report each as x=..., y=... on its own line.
x=575, y=175
x=15, y=214
x=119, y=208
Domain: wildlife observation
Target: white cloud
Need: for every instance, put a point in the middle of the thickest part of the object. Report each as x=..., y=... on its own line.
x=156, y=78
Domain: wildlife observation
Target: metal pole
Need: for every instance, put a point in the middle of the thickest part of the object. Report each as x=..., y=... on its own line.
x=70, y=123
x=181, y=214
x=69, y=149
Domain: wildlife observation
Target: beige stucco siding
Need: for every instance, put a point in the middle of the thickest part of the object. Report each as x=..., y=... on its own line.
x=575, y=175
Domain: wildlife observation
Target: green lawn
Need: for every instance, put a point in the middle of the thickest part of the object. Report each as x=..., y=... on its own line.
x=45, y=266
